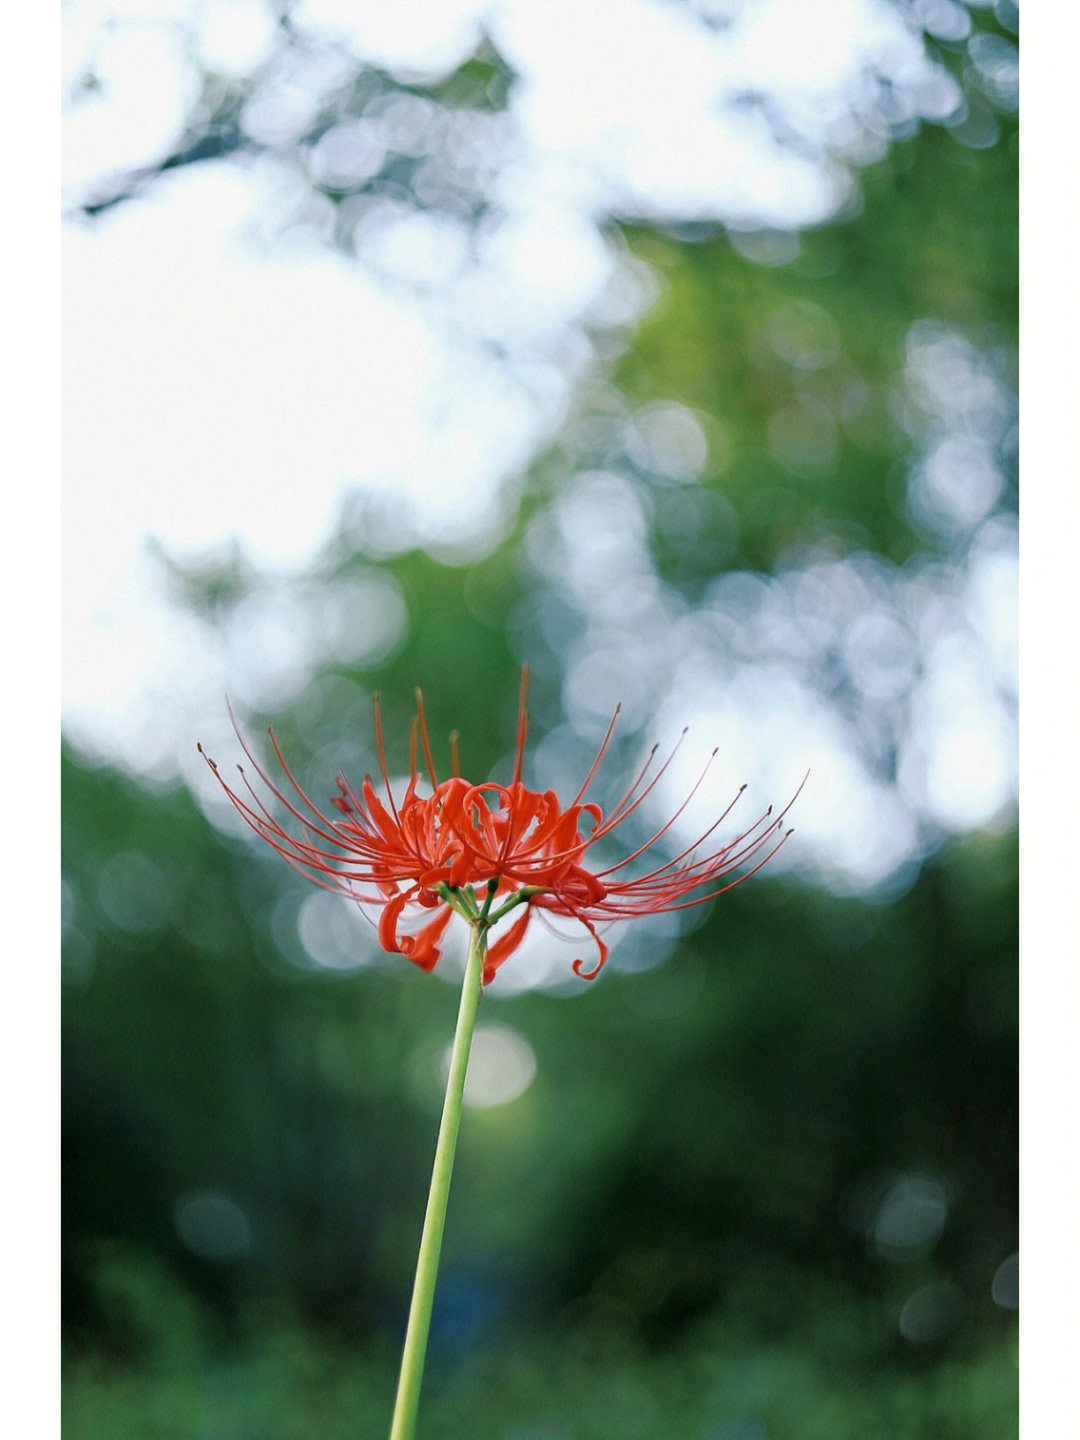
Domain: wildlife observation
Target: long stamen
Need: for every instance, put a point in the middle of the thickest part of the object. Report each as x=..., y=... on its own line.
x=794, y=797
x=680, y=871
x=664, y=828
x=424, y=736
x=712, y=894
x=330, y=832
x=599, y=755
x=729, y=853
x=358, y=818
x=617, y=816
x=662, y=887
x=638, y=778
x=262, y=821
x=455, y=757
x=523, y=724
x=382, y=757
x=302, y=857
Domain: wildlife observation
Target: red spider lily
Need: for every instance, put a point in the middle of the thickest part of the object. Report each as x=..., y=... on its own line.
x=464, y=845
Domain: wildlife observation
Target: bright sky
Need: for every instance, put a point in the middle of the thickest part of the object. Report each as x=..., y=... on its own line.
x=227, y=383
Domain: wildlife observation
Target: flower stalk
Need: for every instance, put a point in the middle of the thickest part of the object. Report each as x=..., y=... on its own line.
x=403, y=1425
x=482, y=852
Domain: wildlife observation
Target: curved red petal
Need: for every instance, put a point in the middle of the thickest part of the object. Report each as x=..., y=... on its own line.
x=505, y=946
x=577, y=967
x=423, y=949
x=388, y=922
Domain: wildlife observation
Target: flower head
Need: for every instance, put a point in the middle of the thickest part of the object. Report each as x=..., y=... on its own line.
x=486, y=850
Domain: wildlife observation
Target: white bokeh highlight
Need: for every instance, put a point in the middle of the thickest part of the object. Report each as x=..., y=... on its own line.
x=232, y=384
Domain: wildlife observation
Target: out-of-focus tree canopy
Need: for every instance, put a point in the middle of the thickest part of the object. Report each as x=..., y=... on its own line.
x=759, y=1179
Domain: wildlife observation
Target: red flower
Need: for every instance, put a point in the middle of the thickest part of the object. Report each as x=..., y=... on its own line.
x=465, y=846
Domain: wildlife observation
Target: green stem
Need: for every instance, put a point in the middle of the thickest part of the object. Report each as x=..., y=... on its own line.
x=519, y=897
x=403, y=1425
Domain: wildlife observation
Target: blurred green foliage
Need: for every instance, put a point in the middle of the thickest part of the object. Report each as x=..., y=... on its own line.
x=672, y=1230
x=671, y=1209
x=856, y=289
